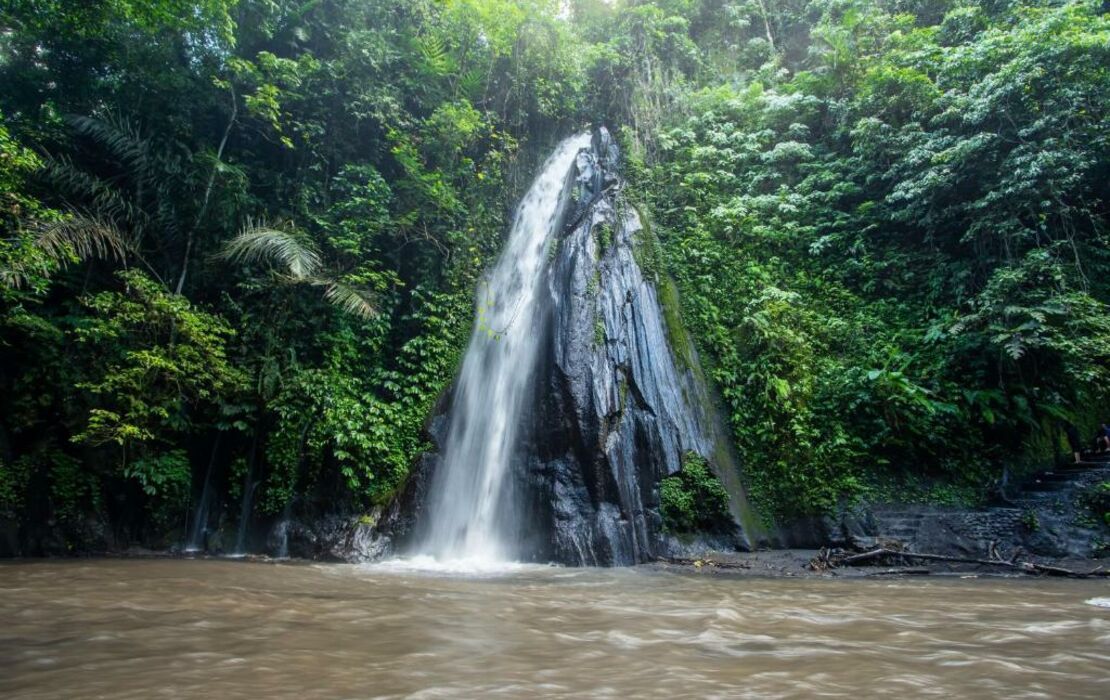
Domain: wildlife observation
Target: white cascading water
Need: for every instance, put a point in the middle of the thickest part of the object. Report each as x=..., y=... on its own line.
x=466, y=513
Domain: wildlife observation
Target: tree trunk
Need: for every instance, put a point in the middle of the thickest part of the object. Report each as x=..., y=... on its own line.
x=207, y=194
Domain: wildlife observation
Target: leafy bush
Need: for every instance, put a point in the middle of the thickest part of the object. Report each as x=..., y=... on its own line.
x=165, y=479
x=693, y=499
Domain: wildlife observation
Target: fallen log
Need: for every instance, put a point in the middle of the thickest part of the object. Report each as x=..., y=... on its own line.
x=1027, y=567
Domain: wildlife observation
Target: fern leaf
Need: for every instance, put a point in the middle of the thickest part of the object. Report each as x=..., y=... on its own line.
x=434, y=55
x=472, y=84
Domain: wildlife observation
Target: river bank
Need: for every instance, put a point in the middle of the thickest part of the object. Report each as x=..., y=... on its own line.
x=813, y=564
x=764, y=564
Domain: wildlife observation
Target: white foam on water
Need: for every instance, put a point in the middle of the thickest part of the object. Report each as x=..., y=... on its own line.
x=1098, y=602
x=466, y=566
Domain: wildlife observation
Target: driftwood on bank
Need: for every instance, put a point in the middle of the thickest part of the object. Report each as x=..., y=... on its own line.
x=1026, y=567
x=699, y=563
x=899, y=562
x=910, y=571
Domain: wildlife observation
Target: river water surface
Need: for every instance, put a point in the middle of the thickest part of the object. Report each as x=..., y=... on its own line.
x=228, y=629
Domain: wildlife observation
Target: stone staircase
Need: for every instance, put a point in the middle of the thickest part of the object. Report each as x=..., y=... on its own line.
x=901, y=525
x=1044, y=516
x=1042, y=485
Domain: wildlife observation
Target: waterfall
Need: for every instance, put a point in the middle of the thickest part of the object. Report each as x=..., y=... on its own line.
x=579, y=393
x=197, y=541
x=281, y=550
x=200, y=523
x=245, y=512
x=471, y=514
x=249, y=485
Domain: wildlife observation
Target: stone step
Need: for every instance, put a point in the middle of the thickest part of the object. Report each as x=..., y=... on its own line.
x=882, y=540
x=892, y=517
x=1046, y=485
x=902, y=527
x=1037, y=499
x=906, y=536
x=1060, y=475
x=1083, y=467
x=898, y=523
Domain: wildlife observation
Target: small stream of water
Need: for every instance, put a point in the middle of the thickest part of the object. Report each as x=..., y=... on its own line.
x=222, y=629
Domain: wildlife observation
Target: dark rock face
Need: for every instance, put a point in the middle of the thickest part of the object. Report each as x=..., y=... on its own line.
x=614, y=410
x=330, y=538
x=9, y=537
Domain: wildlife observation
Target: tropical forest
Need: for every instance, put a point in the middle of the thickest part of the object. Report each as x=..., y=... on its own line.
x=432, y=292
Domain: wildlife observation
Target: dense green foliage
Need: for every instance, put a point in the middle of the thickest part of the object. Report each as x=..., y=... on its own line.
x=693, y=499
x=894, y=248
x=239, y=238
x=251, y=239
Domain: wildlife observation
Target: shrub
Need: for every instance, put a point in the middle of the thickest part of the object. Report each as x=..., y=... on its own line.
x=693, y=500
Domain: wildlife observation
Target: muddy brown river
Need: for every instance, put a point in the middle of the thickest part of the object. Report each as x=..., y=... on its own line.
x=233, y=629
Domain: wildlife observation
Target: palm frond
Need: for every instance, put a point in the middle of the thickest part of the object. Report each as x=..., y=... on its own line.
x=102, y=196
x=283, y=248
x=14, y=277
x=119, y=137
x=357, y=302
x=84, y=236
x=166, y=217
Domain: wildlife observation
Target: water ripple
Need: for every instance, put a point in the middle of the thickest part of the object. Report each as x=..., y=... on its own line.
x=201, y=629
